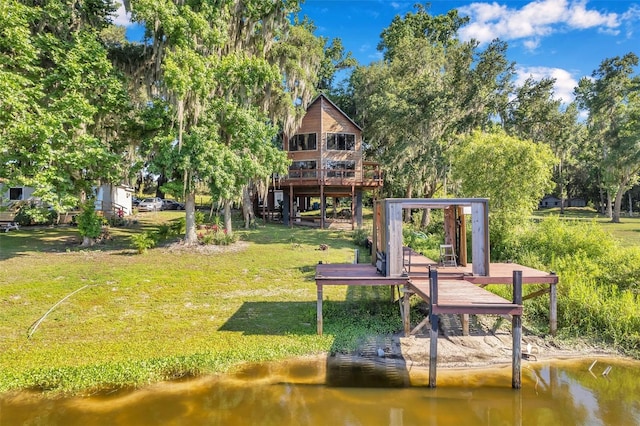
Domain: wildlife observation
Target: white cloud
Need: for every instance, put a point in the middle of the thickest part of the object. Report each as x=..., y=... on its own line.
x=531, y=44
x=563, y=87
x=536, y=19
x=629, y=18
x=123, y=17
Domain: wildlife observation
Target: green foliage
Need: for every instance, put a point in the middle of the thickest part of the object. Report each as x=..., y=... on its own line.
x=514, y=174
x=599, y=284
x=214, y=234
x=179, y=226
x=58, y=126
x=199, y=217
x=143, y=241
x=613, y=146
x=89, y=223
x=32, y=214
x=360, y=237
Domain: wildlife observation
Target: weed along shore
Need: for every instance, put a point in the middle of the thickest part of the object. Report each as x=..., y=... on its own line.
x=109, y=318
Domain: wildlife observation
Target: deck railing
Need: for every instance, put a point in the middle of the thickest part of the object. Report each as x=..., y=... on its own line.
x=369, y=175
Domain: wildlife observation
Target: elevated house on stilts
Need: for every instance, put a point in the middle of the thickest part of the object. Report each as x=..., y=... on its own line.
x=327, y=162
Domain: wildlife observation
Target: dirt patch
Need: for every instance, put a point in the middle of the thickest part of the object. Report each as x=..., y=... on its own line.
x=180, y=246
x=489, y=343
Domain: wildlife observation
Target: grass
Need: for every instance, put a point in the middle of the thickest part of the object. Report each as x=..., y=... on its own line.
x=138, y=319
x=164, y=314
x=627, y=231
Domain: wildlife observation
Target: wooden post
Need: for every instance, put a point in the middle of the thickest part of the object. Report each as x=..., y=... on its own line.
x=323, y=207
x=374, y=236
x=516, y=325
x=462, y=257
x=406, y=317
x=292, y=213
x=465, y=324
x=553, y=309
x=433, y=334
x=319, y=308
x=353, y=207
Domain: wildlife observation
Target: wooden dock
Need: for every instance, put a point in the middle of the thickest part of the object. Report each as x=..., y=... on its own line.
x=447, y=291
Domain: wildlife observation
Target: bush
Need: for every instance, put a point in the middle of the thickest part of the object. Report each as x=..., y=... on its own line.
x=31, y=214
x=213, y=234
x=179, y=226
x=599, y=280
x=89, y=223
x=360, y=237
x=143, y=241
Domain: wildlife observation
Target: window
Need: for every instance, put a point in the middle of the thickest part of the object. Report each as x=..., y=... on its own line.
x=302, y=169
x=341, y=141
x=303, y=142
x=15, y=194
x=341, y=169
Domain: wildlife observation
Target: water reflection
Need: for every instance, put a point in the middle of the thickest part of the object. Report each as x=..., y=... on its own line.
x=294, y=393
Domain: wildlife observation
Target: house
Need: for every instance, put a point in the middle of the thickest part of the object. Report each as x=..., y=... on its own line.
x=326, y=154
x=114, y=199
x=577, y=202
x=548, y=202
x=10, y=194
x=110, y=198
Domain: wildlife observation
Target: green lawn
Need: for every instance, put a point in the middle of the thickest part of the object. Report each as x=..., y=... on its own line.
x=143, y=318
x=138, y=319
x=627, y=231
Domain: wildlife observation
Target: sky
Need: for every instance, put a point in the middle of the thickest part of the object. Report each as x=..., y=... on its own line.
x=563, y=39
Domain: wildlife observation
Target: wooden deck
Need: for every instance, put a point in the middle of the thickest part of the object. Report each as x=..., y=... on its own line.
x=463, y=297
x=418, y=266
x=460, y=292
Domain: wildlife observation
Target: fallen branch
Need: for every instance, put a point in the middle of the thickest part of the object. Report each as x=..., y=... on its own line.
x=34, y=326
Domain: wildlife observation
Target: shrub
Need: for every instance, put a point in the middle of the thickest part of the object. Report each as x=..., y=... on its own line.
x=143, y=241
x=32, y=214
x=213, y=234
x=360, y=237
x=179, y=226
x=89, y=223
x=199, y=217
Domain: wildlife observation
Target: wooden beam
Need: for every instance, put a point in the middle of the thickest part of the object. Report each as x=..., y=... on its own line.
x=319, y=308
x=516, y=325
x=462, y=258
x=406, y=317
x=323, y=209
x=536, y=293
x=291, y=212
x=480, y=238
x=393, y=221
x=433, y=334
x=553, y=309
x=353, y=207
x=465, y=324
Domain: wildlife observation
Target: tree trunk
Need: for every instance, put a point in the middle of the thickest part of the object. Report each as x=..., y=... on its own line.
x=87, y=241
x=408, y=194
x=162, y=179
x=227, y=217
x=615, y=218
x=190, y=236
x=561, y=184
x=609, y=206
x=247, y=208
x=426, y=218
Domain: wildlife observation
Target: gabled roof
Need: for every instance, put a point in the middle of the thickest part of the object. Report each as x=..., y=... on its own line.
x=323, y=96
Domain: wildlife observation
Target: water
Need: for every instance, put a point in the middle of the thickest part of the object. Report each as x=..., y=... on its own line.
x=294, y=393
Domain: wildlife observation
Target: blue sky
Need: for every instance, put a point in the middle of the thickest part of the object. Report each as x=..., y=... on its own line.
x=563, y=39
